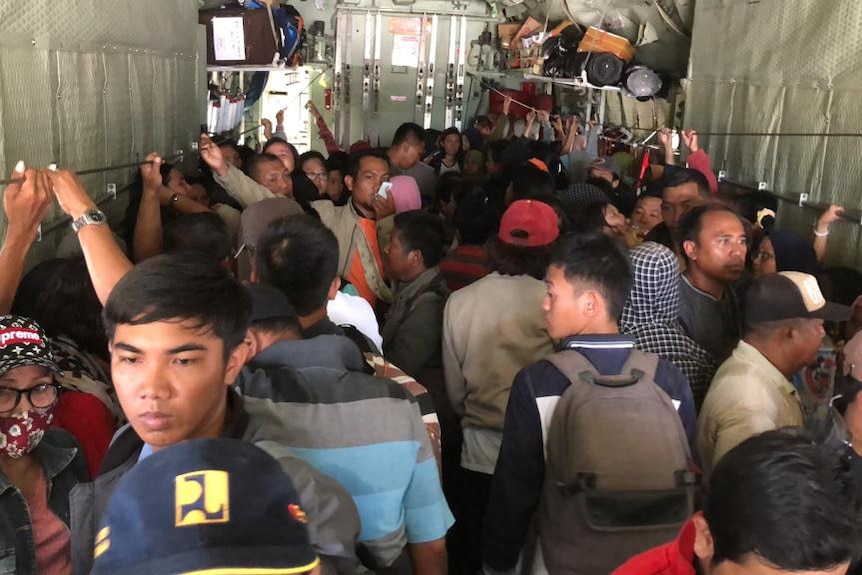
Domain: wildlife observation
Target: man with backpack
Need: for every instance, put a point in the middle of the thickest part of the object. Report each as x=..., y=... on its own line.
x=632, y=441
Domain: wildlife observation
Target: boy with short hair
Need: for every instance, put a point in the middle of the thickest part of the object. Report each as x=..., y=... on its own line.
x=588, y=281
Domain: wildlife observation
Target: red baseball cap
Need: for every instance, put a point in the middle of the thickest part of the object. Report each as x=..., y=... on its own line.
x=529, y=224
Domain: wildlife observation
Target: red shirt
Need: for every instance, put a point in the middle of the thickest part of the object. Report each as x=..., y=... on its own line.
x=700, y=161
x=464, y=266
x=676, y=558
x=89, y=421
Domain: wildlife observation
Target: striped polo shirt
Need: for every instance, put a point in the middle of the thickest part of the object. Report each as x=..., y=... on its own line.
x=365, y=432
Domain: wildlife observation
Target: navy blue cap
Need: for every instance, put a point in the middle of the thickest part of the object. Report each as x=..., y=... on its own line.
x=204, y=506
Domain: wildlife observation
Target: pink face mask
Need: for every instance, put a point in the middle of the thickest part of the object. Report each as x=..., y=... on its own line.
x=20, y=433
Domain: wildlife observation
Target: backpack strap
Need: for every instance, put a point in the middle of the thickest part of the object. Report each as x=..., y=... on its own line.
x=573, y=365
x=638, y=366
x=644, y=364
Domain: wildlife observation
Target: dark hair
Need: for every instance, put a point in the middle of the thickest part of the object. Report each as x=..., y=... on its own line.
x=165, y=171
x=67, y=304
x=496, y=149
x=847, y=390
x=473, y=220
x=691, y=222
x=252, y=165
x=245, y=153
x=356, y=160
x=279, y=325
x=424, y=232
x=591, y=219
x=681, y=176
x=483, y=121
x=529, y=181
x=299, y=256
x=228, y=143
x=181, y=286
x=205, y=234
x=453, y=131
x=789, y=502
x=311, y=155
x=410, y=133
x=548, y=155
x=510, y=260
x=338, y=161
x=451, y=187
x=600, y=262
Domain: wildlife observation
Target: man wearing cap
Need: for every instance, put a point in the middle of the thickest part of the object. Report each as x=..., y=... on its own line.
x=751, y=392
x=254, y=220
x=606, y=169
x=483, y=350
x=205, y=506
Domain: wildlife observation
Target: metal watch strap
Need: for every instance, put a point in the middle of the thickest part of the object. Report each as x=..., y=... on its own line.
x=87, y=219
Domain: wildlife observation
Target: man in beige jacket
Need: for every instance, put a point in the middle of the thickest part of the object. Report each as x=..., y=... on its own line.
x=751, y=392
x=492, y=329
x=360, y=225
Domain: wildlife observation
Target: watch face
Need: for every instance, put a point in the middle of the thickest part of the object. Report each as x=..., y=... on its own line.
x=96, y=217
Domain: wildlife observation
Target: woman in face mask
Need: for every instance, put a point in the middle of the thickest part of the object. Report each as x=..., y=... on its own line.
x=38, y=466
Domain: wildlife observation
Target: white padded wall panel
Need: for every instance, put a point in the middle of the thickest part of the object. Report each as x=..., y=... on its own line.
x=92, y=83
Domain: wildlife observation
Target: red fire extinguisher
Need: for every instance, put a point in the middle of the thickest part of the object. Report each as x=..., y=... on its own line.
x=327, y=101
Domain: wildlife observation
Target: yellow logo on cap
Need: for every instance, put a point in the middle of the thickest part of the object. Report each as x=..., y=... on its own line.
x=202, y=497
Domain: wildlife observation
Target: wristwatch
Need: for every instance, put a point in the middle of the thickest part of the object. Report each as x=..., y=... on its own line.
x=92, y=217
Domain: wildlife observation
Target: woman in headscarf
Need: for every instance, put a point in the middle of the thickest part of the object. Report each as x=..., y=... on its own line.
x=650, y=317
x=473, y=171
x=784, y=251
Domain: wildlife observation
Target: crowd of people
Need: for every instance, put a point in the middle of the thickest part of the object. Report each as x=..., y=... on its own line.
x=516, y=348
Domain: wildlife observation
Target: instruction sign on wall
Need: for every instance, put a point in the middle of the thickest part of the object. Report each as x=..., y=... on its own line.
x=228, y=39
x=405, y=51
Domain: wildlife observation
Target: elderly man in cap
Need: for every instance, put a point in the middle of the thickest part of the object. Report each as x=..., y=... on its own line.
x=751, y=392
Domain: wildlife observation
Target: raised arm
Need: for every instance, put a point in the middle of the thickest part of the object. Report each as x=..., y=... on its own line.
x=571, y=136
x=323, y=130
x=26, y=205
x=821, y=230
x=502, y=121
x=148, y=227
x=666, y=139
x=105, y=260
x=545, y=125
x=699, y=159
x=238, y=185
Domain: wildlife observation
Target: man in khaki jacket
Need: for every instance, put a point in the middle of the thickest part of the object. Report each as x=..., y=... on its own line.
x=360, y=225
x=751, y=392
